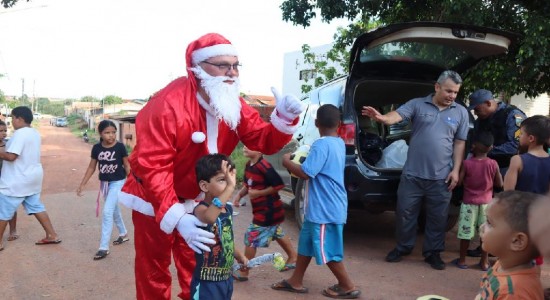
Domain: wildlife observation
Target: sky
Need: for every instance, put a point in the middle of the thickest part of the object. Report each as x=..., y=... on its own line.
x=133, y=48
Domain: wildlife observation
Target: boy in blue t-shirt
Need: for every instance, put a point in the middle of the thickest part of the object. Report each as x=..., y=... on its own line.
x=321, y=235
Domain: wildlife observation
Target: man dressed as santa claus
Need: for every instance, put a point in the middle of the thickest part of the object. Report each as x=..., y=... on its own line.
x=192, y=116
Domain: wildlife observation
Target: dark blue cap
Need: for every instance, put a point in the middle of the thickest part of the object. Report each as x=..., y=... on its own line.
x=478, y=97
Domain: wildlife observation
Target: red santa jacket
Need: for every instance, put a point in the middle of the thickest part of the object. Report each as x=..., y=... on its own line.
x=163, y=161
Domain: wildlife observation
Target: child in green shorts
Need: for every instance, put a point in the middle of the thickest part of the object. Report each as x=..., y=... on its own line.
x=479, y=174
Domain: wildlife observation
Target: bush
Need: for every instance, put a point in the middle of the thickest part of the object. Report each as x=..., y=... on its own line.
x=240, y=161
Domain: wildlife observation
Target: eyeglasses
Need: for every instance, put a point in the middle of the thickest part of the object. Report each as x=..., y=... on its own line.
x=225, y=67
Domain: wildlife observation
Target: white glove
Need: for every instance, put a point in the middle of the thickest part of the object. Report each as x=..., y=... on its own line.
x=195, y=237
x=288, y=107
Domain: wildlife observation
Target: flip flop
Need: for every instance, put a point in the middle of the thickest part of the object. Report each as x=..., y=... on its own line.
x=237, y=276
x=120, y=240
x=101, y=254
x=13, y=237
x=288, y=267
x=484, y=268
x=457, y=263
x=337, y=292
x=283, y=285
x=47, y=242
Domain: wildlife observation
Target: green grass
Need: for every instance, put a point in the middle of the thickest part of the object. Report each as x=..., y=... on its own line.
x=240, y=161
x=75, y=124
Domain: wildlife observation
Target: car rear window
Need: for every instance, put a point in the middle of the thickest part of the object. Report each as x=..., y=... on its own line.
x=443, y=56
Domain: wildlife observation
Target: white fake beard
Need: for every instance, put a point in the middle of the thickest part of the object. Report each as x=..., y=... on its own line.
x=224, y=97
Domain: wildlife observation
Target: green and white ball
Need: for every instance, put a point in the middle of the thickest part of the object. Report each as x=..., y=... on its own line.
x=278, y=262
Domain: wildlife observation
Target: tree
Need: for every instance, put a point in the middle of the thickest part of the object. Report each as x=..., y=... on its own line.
x=41, y=103
x=111, y=99
x=89, y=99
x=323, y=64
x=525, y=68
x=69, y=101
x=24, y=100
x=9, y=3
x=55, y=108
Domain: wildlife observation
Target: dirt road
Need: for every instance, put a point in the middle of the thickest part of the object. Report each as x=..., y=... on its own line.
x=67, y=271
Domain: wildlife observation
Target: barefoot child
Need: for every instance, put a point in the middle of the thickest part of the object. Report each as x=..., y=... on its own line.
x=262, y=183
x=506, y=235
x=112, y=158
x=321, y=235
x=479, y=174
x=212, y=277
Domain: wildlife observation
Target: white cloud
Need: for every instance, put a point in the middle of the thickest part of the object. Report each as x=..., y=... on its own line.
x=132, y=48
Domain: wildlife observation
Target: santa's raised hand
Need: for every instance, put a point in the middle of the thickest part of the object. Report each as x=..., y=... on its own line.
x=288, y=107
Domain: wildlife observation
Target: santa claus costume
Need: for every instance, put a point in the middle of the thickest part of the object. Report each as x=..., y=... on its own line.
x=175, y=129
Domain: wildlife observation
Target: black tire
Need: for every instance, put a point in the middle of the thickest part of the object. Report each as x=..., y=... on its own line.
x=293, y=183
x=299, y=195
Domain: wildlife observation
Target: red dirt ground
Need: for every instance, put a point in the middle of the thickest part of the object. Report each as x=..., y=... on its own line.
x=67, y=271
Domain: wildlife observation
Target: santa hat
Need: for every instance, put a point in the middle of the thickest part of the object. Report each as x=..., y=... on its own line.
x=208, y=45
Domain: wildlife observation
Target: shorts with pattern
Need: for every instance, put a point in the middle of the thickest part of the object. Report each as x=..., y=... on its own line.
x=260, y=236
x=471, y=218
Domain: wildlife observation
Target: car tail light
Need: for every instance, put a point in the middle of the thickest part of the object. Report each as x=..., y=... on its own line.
x=347, y=133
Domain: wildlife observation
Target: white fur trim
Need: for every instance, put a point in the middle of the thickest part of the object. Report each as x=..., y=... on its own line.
x=211, y=125
x=198, y=137
x=205, y=53
x=174, y=214
x=136, y=203
x=282, y=125
x=172, y=217
x=212, y=132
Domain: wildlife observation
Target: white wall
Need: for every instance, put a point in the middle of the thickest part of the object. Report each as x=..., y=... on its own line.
x=532, y=106
x=293, y=63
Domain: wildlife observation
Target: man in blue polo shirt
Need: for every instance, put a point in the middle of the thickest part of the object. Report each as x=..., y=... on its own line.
x=436, y=151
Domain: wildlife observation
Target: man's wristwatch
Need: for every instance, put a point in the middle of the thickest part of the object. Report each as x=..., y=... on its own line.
x=218, y=203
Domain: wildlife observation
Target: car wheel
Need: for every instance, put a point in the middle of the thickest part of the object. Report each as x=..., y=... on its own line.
x=299, y=198
x=293, y=183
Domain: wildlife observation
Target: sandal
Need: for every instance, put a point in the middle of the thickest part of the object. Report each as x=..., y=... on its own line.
x=238, y=277
x=484, y=268
x=337, y=292
x=283, y=285
x=101, y=254
x=288, y=267
x=457, y=263
x=13, y=237
x=121, y=239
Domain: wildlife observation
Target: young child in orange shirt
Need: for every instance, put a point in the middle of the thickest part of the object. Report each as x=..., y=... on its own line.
x=506, y=235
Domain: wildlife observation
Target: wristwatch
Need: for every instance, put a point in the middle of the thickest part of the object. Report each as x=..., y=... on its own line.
x=217, y=202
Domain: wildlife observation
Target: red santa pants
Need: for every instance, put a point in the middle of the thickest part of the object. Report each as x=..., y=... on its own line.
x=154, y=250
